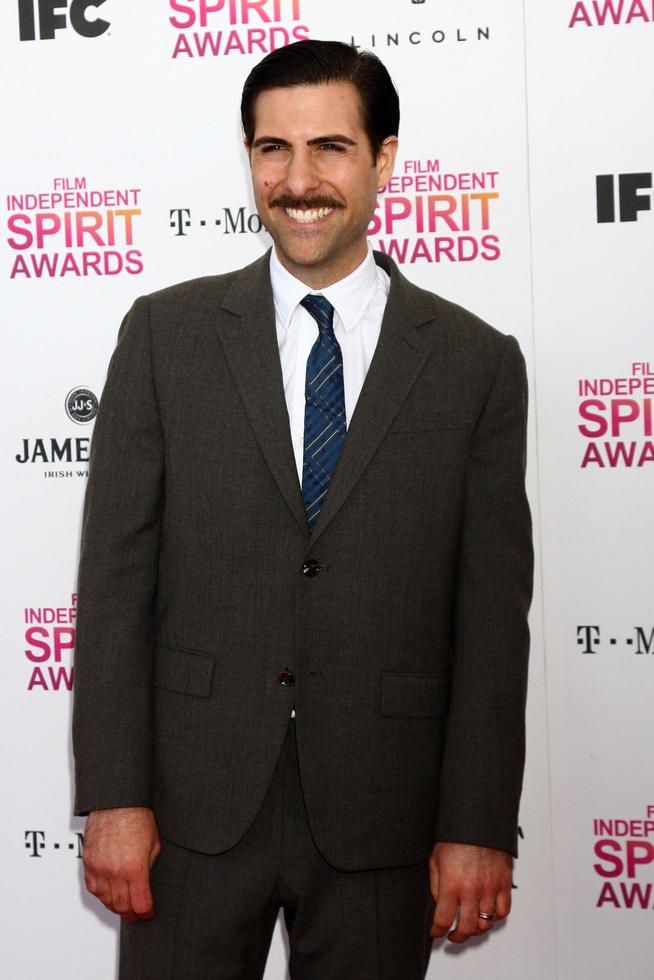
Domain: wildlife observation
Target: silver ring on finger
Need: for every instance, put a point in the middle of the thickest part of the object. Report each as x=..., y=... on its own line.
x=486, y=916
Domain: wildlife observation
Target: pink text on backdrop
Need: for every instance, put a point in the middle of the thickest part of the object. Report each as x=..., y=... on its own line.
x=428, y=214
x=275, y=25
x=50, y=639
x=618, y=420
x=624, y=849
x=74, y=230
x=604, y=13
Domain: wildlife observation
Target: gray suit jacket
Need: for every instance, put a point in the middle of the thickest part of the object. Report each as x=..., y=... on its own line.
x=408, y=648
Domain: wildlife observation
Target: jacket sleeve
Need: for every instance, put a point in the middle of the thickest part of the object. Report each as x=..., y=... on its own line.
x=481, y=777
x=117, y=581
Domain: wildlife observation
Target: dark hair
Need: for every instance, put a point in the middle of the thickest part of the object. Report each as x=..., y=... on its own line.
x=317, y=63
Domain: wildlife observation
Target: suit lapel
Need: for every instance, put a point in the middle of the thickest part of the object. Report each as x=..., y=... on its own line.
x=249, y=341
x=398, y=359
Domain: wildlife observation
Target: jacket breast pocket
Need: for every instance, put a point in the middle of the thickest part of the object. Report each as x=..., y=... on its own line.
x=183, y=671
x=415, y=695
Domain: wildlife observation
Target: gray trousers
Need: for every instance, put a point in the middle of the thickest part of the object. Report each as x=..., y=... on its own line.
x=215, y=914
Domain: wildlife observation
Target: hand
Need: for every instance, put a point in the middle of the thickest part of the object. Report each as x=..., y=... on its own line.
x=120, y=848
x=474, y=879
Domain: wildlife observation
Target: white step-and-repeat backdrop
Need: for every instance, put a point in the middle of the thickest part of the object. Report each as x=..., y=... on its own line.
x=523, y=191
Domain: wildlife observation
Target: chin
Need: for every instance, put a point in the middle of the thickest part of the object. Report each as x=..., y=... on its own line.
x=298, y=256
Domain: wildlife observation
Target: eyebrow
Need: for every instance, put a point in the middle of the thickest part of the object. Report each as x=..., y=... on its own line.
x=334, y=138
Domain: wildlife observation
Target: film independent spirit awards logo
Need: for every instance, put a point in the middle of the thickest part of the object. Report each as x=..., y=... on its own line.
x=611, y=13
x=616, y=418
x=217, y=28
x=63, y=457
x=74, y=229
x=623, y=849
x=429, y=212
x=49, y=635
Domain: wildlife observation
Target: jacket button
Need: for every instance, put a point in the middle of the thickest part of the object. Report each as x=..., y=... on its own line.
x=286, y=678
x=311, y=567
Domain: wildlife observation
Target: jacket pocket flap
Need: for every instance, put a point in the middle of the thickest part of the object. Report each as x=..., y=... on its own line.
x=184, y=671
x=415, y=695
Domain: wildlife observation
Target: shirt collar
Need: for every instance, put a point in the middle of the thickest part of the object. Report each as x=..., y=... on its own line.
x=349, y=296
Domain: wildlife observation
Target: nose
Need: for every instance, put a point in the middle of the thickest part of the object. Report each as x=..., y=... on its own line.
x=302, y=173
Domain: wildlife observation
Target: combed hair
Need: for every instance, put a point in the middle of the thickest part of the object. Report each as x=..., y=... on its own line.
x=318, y=63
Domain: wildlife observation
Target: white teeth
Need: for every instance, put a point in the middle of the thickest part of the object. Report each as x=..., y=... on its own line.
x=307, y=217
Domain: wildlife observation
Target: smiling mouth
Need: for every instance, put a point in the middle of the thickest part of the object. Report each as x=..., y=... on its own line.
x=308, y=216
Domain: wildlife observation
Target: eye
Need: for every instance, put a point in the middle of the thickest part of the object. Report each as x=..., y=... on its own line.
x=332, y=147
x=271, y=148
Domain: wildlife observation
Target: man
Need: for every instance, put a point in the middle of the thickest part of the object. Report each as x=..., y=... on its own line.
x=305, y=576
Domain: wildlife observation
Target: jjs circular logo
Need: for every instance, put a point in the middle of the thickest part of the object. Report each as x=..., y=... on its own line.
x=81, y=405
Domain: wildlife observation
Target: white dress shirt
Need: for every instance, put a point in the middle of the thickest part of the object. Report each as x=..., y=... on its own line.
x=359, y=301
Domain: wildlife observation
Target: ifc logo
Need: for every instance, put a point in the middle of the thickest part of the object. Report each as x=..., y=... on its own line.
x=81, y=405
x=52, y=18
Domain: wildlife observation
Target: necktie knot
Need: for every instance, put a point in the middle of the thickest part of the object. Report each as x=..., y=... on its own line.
x=322, y=312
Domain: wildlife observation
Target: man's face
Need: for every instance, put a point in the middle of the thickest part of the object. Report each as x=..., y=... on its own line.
x=315, y=183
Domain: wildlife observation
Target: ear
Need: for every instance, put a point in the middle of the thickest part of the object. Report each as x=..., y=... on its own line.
x=386, y=160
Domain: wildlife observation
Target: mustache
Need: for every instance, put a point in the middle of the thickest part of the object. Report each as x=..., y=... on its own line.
x=305, y=203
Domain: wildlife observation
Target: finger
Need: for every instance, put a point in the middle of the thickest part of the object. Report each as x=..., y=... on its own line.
x=444, y=914
x=102, y=891
x=156, y=851
x=120, y=898
x=141, y=901
x=487, y=903
x=434, y=877
x=503, y=904
x=468, y=922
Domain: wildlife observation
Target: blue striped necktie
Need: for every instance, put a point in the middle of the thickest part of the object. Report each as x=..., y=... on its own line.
x=324, y=413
